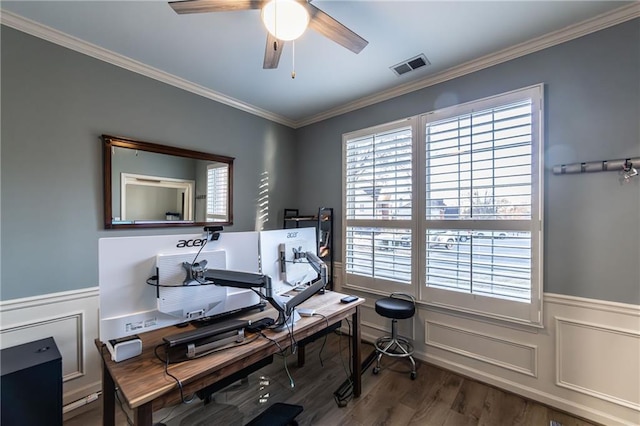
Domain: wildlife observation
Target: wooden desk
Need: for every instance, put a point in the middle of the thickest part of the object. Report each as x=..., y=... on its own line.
x=146, y=388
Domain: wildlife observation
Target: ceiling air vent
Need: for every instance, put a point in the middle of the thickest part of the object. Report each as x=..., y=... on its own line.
x=410, y=65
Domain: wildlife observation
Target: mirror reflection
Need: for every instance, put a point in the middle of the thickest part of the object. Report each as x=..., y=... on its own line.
x=150, y=185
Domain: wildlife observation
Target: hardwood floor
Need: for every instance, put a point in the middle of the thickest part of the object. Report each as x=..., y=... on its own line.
x=436, y=397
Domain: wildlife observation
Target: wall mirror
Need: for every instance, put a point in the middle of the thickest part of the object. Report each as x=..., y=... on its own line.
x=148, y=185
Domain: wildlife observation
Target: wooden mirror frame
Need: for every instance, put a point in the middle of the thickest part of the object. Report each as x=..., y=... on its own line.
x=110, y=142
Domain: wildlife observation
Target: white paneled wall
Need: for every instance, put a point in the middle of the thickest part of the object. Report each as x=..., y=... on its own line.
x=71, y=318
x=586, y=359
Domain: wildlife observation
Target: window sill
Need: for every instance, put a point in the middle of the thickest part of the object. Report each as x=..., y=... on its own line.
x=496, y=320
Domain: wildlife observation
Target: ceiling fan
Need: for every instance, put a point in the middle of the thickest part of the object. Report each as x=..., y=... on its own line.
x=317, y=19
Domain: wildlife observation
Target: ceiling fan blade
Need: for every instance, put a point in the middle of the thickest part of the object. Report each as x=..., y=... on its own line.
x=202, y=6
x=272, y=52
x=334, y=30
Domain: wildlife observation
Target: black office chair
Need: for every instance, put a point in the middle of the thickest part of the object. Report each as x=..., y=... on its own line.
x=396, y=306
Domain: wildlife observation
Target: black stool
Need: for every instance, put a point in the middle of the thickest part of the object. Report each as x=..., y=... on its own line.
x=396, y=306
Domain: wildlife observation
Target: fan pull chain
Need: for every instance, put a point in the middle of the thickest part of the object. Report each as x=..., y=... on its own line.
x=293, y=59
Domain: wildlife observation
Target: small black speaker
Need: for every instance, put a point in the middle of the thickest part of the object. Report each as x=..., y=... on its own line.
x=31, y=384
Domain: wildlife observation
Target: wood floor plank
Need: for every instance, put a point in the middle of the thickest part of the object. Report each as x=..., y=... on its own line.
x=470, y=399
x=391, y=414
x=437, y=397
x=458, y=419
x=450, y=388
x=502, y=408
x=383, y=406
x=432, y=413
x=536, y=414
x=425, y=387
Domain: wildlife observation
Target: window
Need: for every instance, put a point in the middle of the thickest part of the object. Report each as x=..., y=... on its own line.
x=474, y=228
x=378, y=190
x=217, y=190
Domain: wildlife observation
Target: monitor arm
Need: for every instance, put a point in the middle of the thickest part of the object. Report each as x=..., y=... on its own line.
x=252, y=281
x=316, y=263
x=247, y=280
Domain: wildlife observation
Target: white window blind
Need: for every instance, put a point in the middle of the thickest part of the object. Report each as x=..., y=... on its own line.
x=481, y=164
x=482, y=217
x=217, y=190
x=379, y=176
x=448, y=205
x=378, y=206
x=479, y=169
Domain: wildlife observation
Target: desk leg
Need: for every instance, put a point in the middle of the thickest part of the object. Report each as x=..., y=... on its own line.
x=356, y=362
x=143, y=415
x=108, y=398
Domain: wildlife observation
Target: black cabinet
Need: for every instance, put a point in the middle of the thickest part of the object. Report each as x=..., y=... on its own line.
x=31, y=384
x=323, y=221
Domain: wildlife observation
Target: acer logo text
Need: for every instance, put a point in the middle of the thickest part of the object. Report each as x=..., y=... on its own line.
x=192, y=243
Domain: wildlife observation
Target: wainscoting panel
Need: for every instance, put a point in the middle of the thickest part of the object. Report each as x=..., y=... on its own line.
x=609, y=357
x=67, y=331
x=585, y=360
x=514, y=356
x=71, y=318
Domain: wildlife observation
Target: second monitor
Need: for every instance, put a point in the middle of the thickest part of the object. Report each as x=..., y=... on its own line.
x=281, y=257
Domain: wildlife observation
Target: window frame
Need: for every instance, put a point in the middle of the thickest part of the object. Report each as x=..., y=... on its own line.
x=368, y=284
x=523, y=313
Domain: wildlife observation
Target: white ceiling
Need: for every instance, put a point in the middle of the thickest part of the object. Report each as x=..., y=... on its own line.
x=219, y=55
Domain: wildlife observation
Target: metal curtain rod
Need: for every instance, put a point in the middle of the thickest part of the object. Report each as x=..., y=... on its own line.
x=623, y=165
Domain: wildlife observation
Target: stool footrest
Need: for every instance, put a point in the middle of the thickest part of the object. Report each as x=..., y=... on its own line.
x=386, y=345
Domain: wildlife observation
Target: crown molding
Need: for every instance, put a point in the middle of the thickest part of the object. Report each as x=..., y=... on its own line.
x=65, y=40
x=571, y=32
x=600, y=22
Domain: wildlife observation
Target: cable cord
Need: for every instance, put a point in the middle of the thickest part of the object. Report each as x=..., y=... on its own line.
x=324, y=341
x=348, y=371
x=282, y=353
x=167, y=362
x=293, y=343
x=196, y=258
x=166, y=371
x=159, y=422
x=347, y=395
x=292, y=339
x=129, y=421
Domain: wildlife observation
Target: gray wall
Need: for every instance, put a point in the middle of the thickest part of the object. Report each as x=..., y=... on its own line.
x=592, y=221
x=55, y=105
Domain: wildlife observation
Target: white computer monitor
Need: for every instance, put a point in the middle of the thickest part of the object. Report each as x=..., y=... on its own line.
x=182, y=295
x=278, y=257
x=131, y=302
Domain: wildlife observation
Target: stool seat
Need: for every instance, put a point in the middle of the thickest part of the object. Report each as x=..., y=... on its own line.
x=392, y=307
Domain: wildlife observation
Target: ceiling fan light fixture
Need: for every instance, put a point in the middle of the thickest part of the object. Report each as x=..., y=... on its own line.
x=285, y=19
